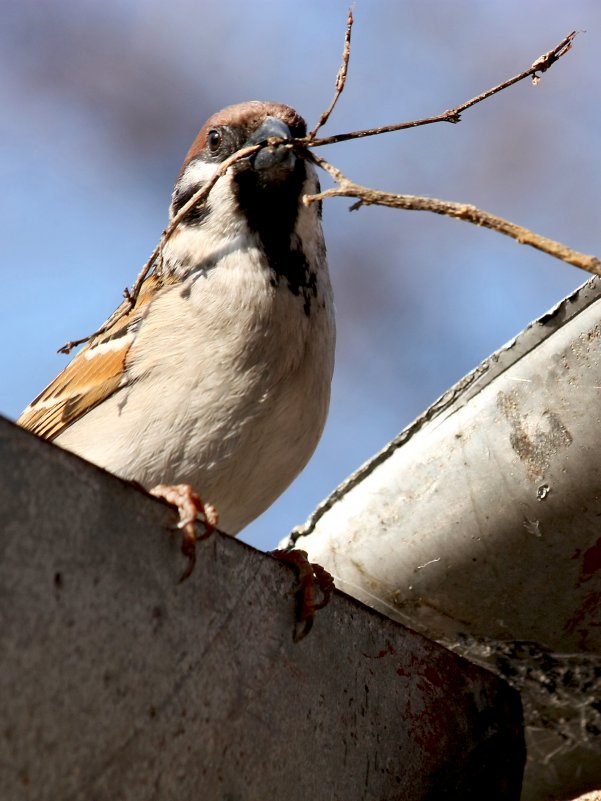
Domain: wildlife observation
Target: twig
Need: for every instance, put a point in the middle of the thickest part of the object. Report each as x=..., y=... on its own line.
x=131, y=295
x=340, y=77
x=366, y=195
x=542, y=64
x=462, y=211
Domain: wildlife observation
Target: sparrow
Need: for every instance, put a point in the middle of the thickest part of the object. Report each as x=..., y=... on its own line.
x=218, y=378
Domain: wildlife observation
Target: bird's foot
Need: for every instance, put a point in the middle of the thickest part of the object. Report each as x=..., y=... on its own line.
x=191, y=509
x=313, y=591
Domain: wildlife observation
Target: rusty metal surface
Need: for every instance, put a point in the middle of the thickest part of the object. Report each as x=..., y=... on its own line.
x=118, y=683
x=480, y=525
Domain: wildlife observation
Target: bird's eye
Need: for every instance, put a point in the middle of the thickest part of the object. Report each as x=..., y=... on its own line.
x=214, y=140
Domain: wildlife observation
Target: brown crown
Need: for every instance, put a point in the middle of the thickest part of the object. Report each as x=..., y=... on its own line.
x=249, y=116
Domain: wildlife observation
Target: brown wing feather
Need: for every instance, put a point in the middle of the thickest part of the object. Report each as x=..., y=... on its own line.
x=91, y=377
x=76, y=390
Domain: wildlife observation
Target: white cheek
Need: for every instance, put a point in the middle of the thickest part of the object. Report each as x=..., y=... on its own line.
x=222, y=228
x=224, y=217
x=197, y=172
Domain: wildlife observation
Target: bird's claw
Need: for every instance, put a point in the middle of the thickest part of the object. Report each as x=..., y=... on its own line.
x=313, y=591
x=190, y=509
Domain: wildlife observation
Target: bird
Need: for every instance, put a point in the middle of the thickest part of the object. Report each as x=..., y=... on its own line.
x=218, y=376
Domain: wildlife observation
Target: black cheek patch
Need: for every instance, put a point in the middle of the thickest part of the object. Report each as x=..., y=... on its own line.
x=197, y=213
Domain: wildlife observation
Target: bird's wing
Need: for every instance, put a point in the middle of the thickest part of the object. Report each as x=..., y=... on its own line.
x=97, y=371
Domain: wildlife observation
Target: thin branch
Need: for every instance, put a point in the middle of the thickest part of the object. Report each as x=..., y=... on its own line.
x=542, y=64
x=364, y=194
x=340, y=77
x=131, y=295
x=461, y=211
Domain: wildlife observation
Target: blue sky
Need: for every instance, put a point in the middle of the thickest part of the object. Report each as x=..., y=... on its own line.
x=102, y=99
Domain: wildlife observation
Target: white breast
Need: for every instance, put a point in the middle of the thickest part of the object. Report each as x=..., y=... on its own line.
x=229, y=386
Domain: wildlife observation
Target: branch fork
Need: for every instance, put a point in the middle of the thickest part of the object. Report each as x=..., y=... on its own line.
x=365, y=195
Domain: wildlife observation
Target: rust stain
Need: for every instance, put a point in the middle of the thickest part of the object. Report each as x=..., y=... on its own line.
x=417, y=667
x=585, y=620
x=433, y=676
x=534, y=444
x=591, y=561
x=587, y=617
x=390, y=650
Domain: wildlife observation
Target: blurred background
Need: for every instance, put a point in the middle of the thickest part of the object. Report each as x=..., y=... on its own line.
x=100, y=100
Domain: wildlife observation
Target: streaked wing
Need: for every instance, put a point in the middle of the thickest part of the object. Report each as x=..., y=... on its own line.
x=92, y=376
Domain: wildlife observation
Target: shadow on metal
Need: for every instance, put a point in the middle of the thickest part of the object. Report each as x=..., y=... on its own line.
x=480, y=526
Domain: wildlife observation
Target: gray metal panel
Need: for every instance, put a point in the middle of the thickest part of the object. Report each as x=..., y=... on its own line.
x=480, y=525
x=118, y=683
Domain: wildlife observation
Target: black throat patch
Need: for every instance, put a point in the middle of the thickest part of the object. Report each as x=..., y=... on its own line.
x=271, y=210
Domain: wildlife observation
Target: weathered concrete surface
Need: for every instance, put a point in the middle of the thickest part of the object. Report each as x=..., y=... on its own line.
x=118, y=683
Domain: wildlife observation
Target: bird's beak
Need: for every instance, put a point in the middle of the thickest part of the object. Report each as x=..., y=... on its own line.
x=278, y=160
